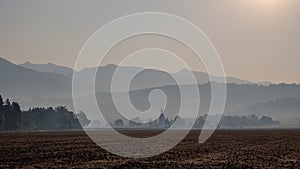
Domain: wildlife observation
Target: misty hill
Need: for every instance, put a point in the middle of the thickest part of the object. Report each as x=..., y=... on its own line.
x=33, y=88
x=18, y=81
x=203, y=77
x=146, y=79
x=278, y=106
x=283, y=108
x=239, y=97
x=49, y=68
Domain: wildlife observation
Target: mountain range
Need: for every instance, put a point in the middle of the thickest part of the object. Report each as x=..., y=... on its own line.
x=147, y=79
x=18, y=81
x=51, y=85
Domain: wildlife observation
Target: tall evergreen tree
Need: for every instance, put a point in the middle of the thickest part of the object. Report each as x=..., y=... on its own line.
x=1, y=102
x=7, y=115
x=2, y=121
x=16, y=114
x=2, y=118
x=7, y=103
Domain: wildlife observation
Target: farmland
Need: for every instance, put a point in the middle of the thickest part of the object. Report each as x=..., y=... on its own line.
x=225, y=149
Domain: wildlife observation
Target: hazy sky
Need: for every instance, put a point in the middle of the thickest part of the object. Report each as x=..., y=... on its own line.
x=258, y=40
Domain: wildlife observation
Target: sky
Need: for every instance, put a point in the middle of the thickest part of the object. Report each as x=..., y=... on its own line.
x=258, y=40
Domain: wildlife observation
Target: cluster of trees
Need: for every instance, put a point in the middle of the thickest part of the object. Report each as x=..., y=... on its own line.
x=161, y=122
x=10, y=115
x=229, y=122
x=237, y=122
x=40, y=118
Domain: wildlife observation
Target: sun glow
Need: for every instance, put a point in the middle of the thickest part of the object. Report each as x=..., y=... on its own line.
x=270, y=3
x=266, y=6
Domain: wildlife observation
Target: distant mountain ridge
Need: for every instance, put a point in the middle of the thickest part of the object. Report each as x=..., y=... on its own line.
x=49, y=68
x=201, y=77
x=19, y=81
x=52, y=86
x=150, y=78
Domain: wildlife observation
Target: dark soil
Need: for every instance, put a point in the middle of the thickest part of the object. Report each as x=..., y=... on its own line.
x=225, y=149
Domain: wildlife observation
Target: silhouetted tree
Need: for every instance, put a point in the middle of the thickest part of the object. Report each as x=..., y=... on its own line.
x=8, y=119
x=83, y=119
x=12, y=118
x=27, y=121
x=7, y=103
x=2, y=118
x=135, y=122
x=2, y=121
x=15, y=116
x=153, y=124
x=119, y=123
x=51, y=119
x=1, y=102
x=162, y=121
x=65, y=118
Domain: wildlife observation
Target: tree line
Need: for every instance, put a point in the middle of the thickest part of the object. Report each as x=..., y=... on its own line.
x=226, y=122
x=38, y=118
